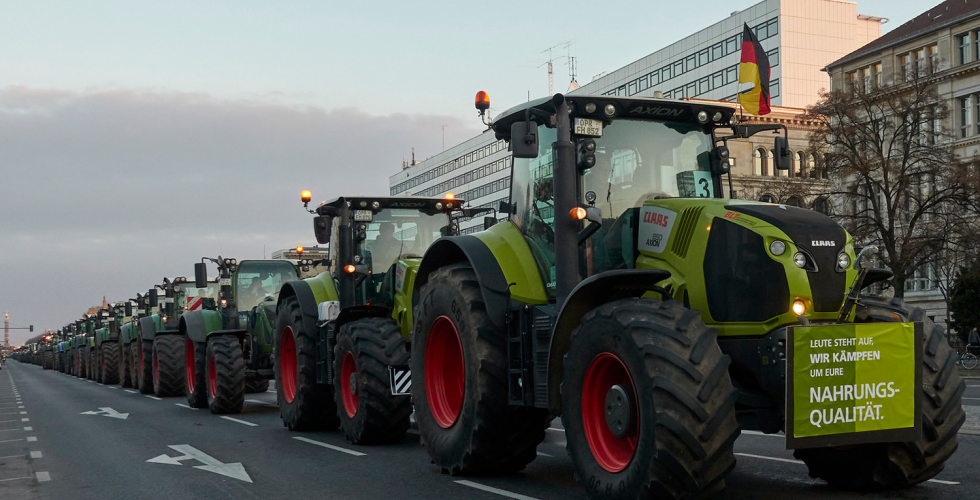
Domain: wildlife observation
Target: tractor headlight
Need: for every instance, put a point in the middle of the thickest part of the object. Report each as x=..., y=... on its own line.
x=799, y=307
x=800, y=260
x=843, y=260
x=702, y=116
x=777, y=247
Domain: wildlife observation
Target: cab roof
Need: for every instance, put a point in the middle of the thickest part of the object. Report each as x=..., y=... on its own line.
x=366, y=202
x=649, y=108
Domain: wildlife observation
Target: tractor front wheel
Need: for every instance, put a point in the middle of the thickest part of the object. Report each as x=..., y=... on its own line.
x=647, y=403
x=124, y=361
x=225, y=370
x=168, y=365
x=48, y=360
x=369, y=413
x=145, y=366
x=303, y=403
x=459, y=382
x=256, y=386
x=195, y=356
x=896, y=465
x=110, y=363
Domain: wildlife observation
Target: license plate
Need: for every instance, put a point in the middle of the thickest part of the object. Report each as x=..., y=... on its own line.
x=363, y=215
x=224, y=282
x=168, y=300
x=585, y=126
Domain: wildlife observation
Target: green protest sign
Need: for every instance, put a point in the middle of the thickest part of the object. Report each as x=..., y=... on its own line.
x=853, y=384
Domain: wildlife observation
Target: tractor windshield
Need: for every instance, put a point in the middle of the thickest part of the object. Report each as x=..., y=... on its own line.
x=398, y=233
x=190, y=298
x=257, y=282
x=636, y=161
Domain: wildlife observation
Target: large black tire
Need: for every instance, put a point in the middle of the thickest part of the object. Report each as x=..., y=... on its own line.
x=48, y=360
x=195, y=356
x=369, y=413
x=110, y=363
x=98, y=362
x=303, y=403
x=169, y=369
x=91, y=363
x=82, y=363
x=678, y=439
x=896, y=465
x=256, y=386
x=468, y=427
x=145, y=367
x=134, y=363
x=125, y=379
x=225, y=371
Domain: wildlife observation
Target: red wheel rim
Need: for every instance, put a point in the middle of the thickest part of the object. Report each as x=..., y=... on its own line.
x=287, y=362
x=348, y=372
x=445, y=373
x=156, y=367
x=189, y=357
x=612, y=453
x=212, y=379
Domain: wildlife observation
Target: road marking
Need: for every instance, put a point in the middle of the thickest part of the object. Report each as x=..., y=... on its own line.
x=211, y=464
x=130, y=391
x=35, y=454
x=28, y=428
x=21, y=407
x=25, y=420
x=553, y=429
x=787, y=460
x=6, y=421
x=330, y=446
x=940, y=481
x=31, y=439
x=12, y=440
x=240, y=421
x=11, y=413
x=43, y=476
x=498, y=491
x=112, y=387
x=757, y=433
x=13, y=456
x=261, y=402
x=971, y=398
x=9, y=430
x=15, y=479
x=185, y=406
x=23, y=413
x=153, y=397
x=107, y=412
x=540, y=454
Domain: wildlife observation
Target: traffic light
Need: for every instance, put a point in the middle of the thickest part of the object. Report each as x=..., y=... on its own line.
x=32, y=328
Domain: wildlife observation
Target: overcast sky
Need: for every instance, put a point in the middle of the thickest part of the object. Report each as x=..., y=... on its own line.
x=137, y=137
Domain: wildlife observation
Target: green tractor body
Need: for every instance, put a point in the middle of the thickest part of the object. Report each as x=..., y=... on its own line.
x=656, y=317
x=341, y=339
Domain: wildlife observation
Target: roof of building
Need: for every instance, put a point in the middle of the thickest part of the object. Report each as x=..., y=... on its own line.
x=938, y=17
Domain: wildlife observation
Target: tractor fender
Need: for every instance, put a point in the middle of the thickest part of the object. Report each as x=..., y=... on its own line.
x=307, y=303
x=591, y=293
x=147, y=328
x=198, y=325
x=468, y=248
x=355, y=313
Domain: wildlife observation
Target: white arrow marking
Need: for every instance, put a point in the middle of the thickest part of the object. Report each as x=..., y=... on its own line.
x=107, y=412
x=211, y=464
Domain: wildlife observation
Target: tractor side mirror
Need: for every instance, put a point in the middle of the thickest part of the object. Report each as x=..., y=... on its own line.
x=153, y=297
x=720, y=162
x=322, y=229
x=200, y=275
x=781, y=153
x=524, y=139
x=129, y=308
x=507, y=208
x=489, y=221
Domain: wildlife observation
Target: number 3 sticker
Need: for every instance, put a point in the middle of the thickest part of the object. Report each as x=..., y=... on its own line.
x=704, y=188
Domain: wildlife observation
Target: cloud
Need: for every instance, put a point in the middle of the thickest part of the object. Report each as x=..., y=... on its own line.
x=106, y=192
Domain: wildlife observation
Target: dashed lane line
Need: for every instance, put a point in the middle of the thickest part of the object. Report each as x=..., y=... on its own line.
x=31, y=439
x=540, y=454
x=130, y=391
x=498, y=491
x=250, y=424
x=330, y=446
x=182, y=405
x=261, y=402
x=35, y=454
x=553, y=429
x=940, y=481
x=15, y=479
x=112, y=387
x=28, y=428
x=13, y=456
x=11, y=440
x=43, y=476
x=153, y=397
x=9, y=430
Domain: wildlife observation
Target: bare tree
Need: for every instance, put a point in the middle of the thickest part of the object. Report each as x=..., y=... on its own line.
x=893, y=166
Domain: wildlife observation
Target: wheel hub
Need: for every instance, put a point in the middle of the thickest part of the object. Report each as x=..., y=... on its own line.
x=353, y=383
x=618, y=411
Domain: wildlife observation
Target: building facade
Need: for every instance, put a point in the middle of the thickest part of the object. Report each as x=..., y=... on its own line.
x=800, y=38
x=942, y=43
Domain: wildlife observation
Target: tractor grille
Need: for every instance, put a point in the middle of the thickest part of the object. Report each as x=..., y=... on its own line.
x=741, y=281
x=685, y=229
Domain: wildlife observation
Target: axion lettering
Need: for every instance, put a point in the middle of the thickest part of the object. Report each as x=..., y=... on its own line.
x=656, y=111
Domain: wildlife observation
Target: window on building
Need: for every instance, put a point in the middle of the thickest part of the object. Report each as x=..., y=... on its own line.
x=920, y=62
x=678, y=68
x=770, y=166
x=759, y=162
x=821, y=205
x=773, y=56
x=966, y=116
x=774, y=89
x=905, y=66
x=703, y=57
x=932, y=52
x=767, y=198
x=691, y=62
x=878, y=75
x=800, y=164
x=866, y=78
x=794, y=201
x=963, y=41
x=852, y=78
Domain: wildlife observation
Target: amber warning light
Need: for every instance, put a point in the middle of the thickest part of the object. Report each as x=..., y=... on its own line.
x=578, y=213
x=450, y=196
x=306, y=196
x=482, y=101
x=299, y=250
x=349, y=268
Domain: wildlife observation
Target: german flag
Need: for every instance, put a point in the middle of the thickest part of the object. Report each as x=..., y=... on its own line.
x=754, y=68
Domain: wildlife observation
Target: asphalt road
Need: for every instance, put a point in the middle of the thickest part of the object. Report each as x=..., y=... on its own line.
x=66, y=438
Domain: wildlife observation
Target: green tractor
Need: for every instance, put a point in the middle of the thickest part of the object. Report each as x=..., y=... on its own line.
x=162, y=366
x=227, y=351
x=50, y=344
x=341, y=352
x=657, y=318
x=108, y=353
x=79, y=348
x=128, y=342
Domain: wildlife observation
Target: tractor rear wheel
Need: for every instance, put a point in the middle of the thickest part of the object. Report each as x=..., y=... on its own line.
x=48, y=360
x=110, y=363
x=459, y=382
x=168, y=365
x=647, y=403
x=134, y=363
x=256, y=386
x=303, y=403
x=896, y=465
x=195, y=356
x=145, y=367
x=369, y=413
x=225, y=369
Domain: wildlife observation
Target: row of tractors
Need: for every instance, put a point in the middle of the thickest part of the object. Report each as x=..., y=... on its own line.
x=625, y=293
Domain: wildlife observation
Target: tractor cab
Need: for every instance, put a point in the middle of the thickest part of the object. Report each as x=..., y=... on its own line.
x=257, y=283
